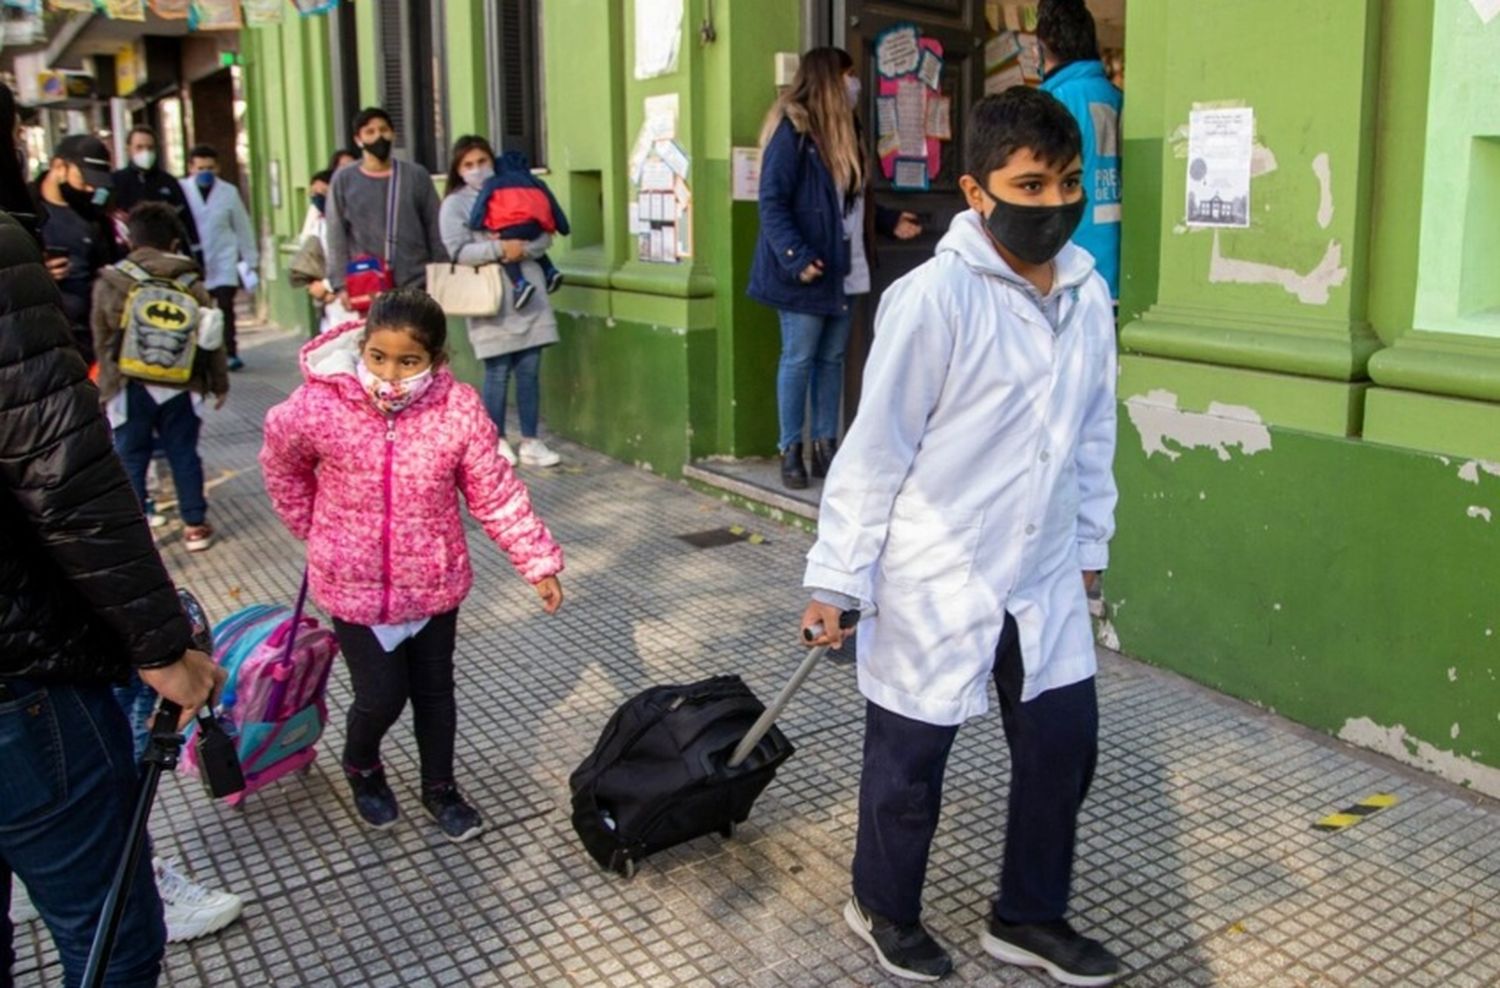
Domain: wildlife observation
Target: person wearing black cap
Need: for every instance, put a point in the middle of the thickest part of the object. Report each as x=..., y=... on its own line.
x=71, y=198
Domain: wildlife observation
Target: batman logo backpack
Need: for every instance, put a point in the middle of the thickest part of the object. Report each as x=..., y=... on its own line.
x=160, y=326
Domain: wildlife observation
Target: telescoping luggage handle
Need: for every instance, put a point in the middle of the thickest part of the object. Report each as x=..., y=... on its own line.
x=758, y=730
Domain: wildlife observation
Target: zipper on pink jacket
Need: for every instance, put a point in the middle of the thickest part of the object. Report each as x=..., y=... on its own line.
x=390, y=463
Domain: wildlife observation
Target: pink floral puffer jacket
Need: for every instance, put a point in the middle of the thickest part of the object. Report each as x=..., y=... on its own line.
x=376, y=497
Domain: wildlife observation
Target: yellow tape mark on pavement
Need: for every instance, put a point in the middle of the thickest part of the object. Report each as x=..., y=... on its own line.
x=1351, y=815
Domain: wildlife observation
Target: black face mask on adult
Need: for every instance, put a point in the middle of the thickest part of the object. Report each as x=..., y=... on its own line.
x=83, y=202
x=1035, y=234
x=380, y=148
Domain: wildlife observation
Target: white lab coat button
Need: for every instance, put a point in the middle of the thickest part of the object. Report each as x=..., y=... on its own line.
x=1030, y=529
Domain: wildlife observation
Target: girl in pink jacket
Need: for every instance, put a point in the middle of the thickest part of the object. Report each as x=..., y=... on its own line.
x=365, y=462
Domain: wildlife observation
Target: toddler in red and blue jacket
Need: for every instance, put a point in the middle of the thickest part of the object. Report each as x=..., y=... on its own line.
x=517, y=205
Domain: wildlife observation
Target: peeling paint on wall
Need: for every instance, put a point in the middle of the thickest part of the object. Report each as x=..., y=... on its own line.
x=1312, y=288
x=1325, y=182
x=1396, y=743
x=1157, y=418
x=1470, y=471
x=1477, y=511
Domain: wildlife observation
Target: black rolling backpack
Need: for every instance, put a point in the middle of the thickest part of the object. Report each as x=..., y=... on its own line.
x=678, y=762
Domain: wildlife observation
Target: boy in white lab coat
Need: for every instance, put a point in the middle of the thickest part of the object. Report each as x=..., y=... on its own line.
x=972, y=503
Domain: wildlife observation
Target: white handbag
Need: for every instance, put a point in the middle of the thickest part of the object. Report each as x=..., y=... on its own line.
x=464, y=290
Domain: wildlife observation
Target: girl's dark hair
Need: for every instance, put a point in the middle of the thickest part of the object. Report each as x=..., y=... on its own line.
x=1020, y=117
x=461, y=147
x=333, y=160
x=415, y=312
x=323, y=176
x=1066, y=28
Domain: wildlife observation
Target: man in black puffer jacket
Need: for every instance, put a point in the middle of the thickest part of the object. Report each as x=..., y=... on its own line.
x=83, y=599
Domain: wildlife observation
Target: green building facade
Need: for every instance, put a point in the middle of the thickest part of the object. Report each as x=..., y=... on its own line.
x=1309, y=454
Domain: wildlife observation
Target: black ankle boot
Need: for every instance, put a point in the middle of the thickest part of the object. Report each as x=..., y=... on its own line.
x=793, y=473
x=822, y=456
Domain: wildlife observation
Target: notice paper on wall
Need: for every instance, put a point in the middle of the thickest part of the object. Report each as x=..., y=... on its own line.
x=911, y=118
x=940, y=118
x=1487, y=10
x=1007, y=77
x=658, y=37
x=897, y=51
x=931, y=69
x=744, y=170
x=910, y=173
x=1220, y=145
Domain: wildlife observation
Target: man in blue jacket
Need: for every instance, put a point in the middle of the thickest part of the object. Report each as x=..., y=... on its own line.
x=1076, y=76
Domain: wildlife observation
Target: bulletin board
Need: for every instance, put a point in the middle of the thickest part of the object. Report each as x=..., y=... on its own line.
x=913, y=109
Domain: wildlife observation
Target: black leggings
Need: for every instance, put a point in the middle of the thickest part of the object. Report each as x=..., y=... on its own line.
x=420, y=668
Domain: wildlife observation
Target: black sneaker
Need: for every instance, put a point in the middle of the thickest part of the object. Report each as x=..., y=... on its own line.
x=1067, y=955
x=554, y=281
x=524, y=291
x=455, y=817
x=373, y=799
x=908, y=952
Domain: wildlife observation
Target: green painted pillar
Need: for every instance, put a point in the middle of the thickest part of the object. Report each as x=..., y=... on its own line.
x=1288, y=294
x=1440, y=383
x=467, y=69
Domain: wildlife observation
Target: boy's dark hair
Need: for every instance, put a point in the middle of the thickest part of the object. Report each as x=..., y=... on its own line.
x=155, y=224
x=416, y=312
x=1066, y=28
x=333, y=160
x=203, y=151
x=323, y=176
x=366, y=115
x=1020, y=117
x=140, y=129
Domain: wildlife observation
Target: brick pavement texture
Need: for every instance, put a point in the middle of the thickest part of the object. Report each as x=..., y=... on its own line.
x=1197, y=860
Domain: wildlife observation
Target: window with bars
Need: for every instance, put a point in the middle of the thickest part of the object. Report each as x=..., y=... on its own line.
x=412, y=83
x=514, y=45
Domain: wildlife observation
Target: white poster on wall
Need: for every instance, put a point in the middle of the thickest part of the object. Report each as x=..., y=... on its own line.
x=1220, y=143
x=745, y=173
x=658, y=37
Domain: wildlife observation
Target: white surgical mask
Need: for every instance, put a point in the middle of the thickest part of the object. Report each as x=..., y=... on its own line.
x=852, y=85
x=475, y=178
x=143, y=160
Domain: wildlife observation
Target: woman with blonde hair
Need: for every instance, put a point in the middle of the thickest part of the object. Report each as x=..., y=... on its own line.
x=814, y=250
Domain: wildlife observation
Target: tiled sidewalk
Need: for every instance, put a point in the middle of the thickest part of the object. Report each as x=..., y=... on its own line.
x=1198, y=861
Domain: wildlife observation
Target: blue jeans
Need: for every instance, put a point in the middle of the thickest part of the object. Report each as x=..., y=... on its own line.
x=812, y=350
x=525, y=365
x=176, y=423
x=137, y=701
x=67, y=788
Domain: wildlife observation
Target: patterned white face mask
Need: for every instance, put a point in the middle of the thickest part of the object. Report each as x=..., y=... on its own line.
x=392, y=396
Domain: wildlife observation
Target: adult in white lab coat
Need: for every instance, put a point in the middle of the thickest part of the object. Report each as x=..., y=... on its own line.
x=228, y=239
x=971, y=502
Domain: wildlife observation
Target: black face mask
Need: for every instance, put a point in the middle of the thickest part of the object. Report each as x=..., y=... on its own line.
x=80, y=201
x=1035, y=234
x=380, y=148
x=320, y=202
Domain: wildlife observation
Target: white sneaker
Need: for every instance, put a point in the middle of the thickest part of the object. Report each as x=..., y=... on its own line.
x=534, y=453
x=506, y=452
x=21, y=909
x=192, y=910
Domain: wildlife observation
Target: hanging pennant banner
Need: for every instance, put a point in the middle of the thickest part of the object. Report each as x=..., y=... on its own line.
x=125, y=10
x=171, y=10
x=262, y=13
x=83, y=6
x=217, y=15
x=309, y=7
